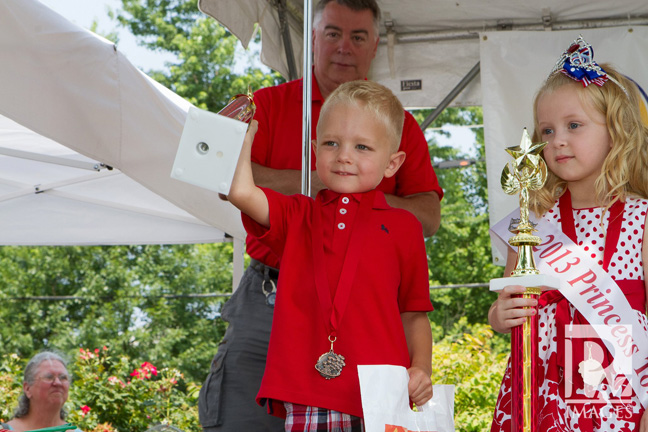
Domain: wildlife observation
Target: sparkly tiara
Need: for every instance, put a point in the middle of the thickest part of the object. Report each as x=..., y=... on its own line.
x=577, y=62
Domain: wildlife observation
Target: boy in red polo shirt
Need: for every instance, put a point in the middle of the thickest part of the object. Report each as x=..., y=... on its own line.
x=359, y=293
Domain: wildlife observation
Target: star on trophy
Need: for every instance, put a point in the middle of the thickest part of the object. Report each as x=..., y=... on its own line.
x=528, y=171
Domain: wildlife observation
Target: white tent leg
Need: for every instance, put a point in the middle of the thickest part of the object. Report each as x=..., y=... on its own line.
x=237, y=262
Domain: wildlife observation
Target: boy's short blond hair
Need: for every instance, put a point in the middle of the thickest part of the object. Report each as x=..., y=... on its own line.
x=375, y=98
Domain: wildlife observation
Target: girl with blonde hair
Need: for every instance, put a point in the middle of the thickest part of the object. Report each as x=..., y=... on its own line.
x=596, y=198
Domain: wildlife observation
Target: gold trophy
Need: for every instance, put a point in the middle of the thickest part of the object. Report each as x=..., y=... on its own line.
x=527, y=172
x=240, y=107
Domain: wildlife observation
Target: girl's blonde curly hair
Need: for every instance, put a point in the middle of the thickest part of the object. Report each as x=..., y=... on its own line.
x=625, y=169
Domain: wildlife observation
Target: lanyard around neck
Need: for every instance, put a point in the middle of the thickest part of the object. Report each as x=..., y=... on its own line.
x=333, y=309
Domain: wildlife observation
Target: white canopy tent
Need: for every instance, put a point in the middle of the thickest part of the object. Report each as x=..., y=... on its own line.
x=51, y=195
x=436, y=42
x=430, y=53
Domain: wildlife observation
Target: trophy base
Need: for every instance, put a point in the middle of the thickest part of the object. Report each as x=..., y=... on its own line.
x=545, y=282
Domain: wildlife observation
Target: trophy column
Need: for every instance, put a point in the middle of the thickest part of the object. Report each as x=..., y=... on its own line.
x=527, y=172
x=524, y=343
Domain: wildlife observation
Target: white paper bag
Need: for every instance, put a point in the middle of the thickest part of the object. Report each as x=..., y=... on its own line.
x=385, y=402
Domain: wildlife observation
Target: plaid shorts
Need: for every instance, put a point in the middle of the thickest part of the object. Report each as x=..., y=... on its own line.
x=301, y=418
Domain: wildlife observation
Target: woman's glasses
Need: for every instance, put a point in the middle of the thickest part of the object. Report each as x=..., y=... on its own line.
x=50, y=378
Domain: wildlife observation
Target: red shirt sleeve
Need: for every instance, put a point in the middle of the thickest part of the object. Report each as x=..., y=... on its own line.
x=416, y=175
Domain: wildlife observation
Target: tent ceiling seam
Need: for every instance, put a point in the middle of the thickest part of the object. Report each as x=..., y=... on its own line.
x=473, y=33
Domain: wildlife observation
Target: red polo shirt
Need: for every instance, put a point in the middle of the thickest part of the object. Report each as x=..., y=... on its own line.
x=278, y=145
x=391, y=278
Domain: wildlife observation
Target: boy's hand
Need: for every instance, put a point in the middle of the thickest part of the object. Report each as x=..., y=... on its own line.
x=419, y=386
x=508, y=311
x=252, y=129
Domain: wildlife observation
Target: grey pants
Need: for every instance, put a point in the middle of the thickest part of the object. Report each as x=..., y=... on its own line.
x=227, y=398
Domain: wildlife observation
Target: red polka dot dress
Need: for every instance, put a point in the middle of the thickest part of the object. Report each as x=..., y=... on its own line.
x=565, y=402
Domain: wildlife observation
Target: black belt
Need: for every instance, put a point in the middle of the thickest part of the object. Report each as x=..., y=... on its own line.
x=261, y=268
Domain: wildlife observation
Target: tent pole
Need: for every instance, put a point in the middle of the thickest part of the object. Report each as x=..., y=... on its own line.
x=285, y=35
x=448, y=99
x=308, y=97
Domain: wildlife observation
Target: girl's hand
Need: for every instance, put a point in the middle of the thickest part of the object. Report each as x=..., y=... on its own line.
x=419, y=386
x=508, y=311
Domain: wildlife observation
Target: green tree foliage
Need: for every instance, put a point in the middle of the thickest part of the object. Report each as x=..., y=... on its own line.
x=119, y=296
x=205, y=51
x=459, y=253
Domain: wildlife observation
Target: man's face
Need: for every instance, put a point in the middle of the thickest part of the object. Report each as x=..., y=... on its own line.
x=344, y=44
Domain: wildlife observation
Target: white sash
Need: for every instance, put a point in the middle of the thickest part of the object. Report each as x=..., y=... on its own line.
x=592, y=291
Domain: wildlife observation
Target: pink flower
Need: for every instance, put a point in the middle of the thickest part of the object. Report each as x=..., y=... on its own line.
x=149, y=367
x=85, y=410
x=86, y=354
x=114, y=380
x=145, y=371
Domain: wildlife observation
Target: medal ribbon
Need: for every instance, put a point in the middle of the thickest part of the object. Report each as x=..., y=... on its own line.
x=333, y=309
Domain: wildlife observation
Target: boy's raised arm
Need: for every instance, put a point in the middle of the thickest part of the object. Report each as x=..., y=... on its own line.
x=244, y=194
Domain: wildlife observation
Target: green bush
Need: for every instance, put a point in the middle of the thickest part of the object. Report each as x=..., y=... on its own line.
x=474, y=362
x=11, y=369
x=114, y=394
x=111, y=394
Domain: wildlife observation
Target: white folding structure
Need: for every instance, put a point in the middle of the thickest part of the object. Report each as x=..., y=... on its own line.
x=76, y=89
x=51, y=195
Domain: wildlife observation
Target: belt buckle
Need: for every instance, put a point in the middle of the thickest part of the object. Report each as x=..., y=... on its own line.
x=270, y=294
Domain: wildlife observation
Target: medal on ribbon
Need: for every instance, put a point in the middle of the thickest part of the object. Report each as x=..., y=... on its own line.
x=330, y=364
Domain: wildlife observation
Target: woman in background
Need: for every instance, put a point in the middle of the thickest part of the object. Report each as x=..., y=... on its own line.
x=45, y=389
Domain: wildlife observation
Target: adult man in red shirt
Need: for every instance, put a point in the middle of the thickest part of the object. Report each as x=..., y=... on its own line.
x=345, y=40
